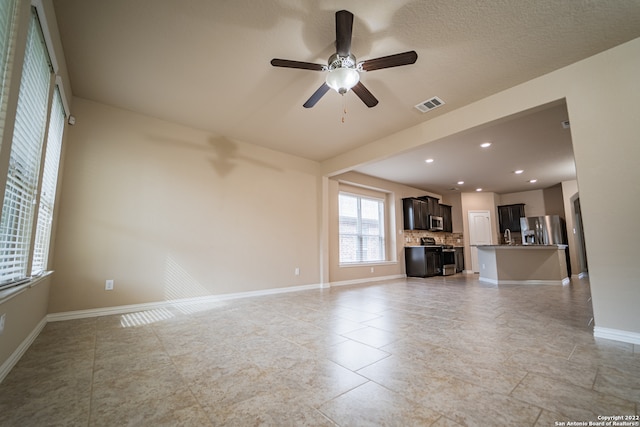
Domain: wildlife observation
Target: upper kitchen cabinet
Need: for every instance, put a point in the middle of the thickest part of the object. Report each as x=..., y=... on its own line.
x=509, y=216
x=445, y=213
x=416, y=214
x=433, y=206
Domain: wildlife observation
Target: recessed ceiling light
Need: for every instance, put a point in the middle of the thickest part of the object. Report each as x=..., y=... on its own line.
x=478, y=189
x=429, y=161
x=518, y=172
x=485, y=144
x=460, y=182
x=533, y=180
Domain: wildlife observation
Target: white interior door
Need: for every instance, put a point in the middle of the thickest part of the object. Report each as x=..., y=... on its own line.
x=479, y=234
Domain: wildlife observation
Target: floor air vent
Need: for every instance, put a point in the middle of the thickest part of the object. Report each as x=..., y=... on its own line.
x=430, y=104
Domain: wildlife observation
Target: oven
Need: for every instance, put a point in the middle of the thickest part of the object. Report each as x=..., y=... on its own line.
x=448, y=260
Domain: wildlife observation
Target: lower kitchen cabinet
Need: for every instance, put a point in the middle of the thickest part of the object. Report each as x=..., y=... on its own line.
x=423, y=261
x=459, y=259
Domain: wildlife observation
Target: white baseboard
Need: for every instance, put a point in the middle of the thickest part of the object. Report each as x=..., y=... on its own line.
x=22, y=348
x=122, y=309
x=367, y=280
x=617, y=335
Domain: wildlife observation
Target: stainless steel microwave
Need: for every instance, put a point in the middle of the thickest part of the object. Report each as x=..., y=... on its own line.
x=435, y=223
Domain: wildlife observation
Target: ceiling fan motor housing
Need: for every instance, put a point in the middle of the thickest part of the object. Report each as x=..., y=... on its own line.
x=337, y=61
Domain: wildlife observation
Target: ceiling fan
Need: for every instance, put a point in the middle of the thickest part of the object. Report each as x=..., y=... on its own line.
x=344, y=71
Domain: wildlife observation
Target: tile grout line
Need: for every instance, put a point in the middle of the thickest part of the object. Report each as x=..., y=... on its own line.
x=572, y=351
x=93, y=369
x=164, y=348
x=595, y=378
x=517, y=385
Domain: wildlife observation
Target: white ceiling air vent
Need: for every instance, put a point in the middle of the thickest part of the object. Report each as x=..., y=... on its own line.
x=430, y=104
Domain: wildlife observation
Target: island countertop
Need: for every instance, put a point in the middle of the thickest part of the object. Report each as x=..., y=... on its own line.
x=555, y=247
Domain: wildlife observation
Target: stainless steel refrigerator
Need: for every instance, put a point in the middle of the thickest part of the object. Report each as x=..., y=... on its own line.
x=543, y=230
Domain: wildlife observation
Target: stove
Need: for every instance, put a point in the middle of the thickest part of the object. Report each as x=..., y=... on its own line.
x=447, y=256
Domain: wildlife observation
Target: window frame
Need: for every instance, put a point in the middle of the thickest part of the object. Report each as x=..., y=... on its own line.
x=22, y=21
x=360, y=236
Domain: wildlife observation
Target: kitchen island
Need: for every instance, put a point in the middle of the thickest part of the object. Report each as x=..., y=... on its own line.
x=523, y=264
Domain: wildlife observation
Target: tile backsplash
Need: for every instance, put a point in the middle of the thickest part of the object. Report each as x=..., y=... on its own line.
x=412, y=237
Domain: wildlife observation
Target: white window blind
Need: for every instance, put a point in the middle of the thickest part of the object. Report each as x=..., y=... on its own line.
x=24, y=164
x=49, y=184
x=361, y=228
x=7, y=13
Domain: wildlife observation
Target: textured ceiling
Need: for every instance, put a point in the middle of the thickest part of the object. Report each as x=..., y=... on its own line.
x=205, y=63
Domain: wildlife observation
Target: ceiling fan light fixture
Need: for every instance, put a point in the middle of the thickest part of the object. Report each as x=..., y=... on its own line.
x=342, y=79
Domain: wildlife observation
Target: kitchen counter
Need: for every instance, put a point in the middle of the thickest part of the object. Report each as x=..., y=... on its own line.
x=527, y=247
x=523, y=264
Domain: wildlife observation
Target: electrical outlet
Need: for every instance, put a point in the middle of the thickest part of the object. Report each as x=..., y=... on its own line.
x=297, y=271
x=372, y=269
x=2, y=323
x=108, y=286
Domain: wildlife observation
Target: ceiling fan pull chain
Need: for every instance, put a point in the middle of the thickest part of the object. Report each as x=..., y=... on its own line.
x=344, y=107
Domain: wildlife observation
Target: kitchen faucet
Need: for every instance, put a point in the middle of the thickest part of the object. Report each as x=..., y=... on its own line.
x=507, y=236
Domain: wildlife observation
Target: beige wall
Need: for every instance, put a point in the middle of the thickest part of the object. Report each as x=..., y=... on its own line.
x=170, y=212
x=533, y=201
x=455, y=201
x=554, y=201
x=23, y=313
x=548, y=201
x=606, y=149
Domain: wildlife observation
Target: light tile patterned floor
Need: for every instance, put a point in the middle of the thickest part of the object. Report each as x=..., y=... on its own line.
x=442, y=351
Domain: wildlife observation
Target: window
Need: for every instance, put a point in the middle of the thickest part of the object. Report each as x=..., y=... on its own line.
x=361, y=228
x=49, y=184
x=27, y=207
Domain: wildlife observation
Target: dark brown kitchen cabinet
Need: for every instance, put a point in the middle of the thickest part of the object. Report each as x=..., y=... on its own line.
x=416, y=214
x=459, y=259
x=509, y=216
x=433, y=206
x=423, y=261
x=445, y=213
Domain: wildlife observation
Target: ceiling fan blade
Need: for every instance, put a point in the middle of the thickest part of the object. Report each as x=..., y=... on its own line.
x=344, y=28
x=297, y=64
x=364, y=94
x=396, y=60
x=316, y=96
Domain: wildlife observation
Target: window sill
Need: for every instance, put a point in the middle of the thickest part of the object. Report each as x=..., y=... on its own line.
x=7, y=294
x=366, y=264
